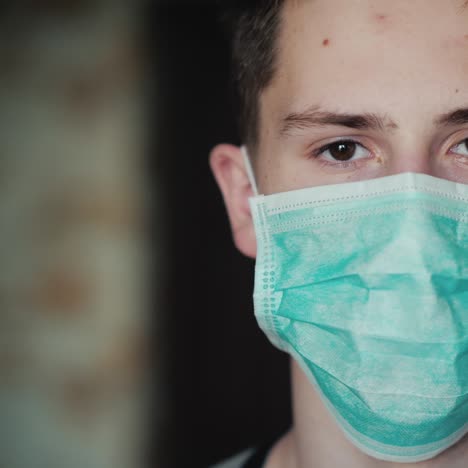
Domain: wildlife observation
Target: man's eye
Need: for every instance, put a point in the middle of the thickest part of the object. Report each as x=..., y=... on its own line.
x=461, y=148
x=343, y=151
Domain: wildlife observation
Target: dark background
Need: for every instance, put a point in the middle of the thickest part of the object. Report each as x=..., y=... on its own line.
x=225, y=388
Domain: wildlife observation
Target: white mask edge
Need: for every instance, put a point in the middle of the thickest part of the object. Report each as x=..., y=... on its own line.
x=249, y=169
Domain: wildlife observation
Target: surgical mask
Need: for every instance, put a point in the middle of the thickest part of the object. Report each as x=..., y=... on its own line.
x=365, y=284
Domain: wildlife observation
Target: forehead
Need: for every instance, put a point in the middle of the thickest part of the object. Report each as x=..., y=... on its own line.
x=355, y=54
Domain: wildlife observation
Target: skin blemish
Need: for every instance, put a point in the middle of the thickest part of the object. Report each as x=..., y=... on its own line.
x=326, y=42
x=456, y=41
x=382, y=21
x=457, y=90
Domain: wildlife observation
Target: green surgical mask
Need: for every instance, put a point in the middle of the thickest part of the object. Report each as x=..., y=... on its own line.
x=365, y=284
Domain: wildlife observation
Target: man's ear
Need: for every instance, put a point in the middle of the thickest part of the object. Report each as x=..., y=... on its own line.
x=228, y=167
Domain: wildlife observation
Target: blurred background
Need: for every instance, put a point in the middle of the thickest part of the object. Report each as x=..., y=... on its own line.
x=127, y=334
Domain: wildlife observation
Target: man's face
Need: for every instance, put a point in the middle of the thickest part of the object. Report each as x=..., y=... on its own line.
x=362, y=89
x=389, y=79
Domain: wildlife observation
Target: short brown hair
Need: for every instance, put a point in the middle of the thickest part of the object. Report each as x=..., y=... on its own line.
x=255, y=30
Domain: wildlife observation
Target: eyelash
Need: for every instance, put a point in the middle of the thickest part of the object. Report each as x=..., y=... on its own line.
x=339, y=164
x=353, y=162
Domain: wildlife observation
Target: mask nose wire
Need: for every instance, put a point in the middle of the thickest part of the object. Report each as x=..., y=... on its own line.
x=249, y=169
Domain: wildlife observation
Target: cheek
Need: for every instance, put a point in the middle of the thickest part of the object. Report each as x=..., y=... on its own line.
x=277, y=172
x=452, y=169
x=268, y=174
x=285, y=172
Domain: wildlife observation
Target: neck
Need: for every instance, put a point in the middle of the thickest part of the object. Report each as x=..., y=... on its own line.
x=316, y=441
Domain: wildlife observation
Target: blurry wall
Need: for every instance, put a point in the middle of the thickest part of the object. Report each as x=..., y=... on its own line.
x=72, y=248
x=90, y=139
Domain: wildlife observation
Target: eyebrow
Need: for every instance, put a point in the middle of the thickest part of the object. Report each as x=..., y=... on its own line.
x=457, y=117
x=314, y=117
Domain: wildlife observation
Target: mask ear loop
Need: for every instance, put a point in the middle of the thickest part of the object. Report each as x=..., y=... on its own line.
x=248, y=168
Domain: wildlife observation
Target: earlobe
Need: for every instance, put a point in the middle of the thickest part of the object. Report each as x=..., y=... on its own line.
x=228, y=167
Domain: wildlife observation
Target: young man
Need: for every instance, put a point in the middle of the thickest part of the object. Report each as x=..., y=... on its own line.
x=355, y=120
